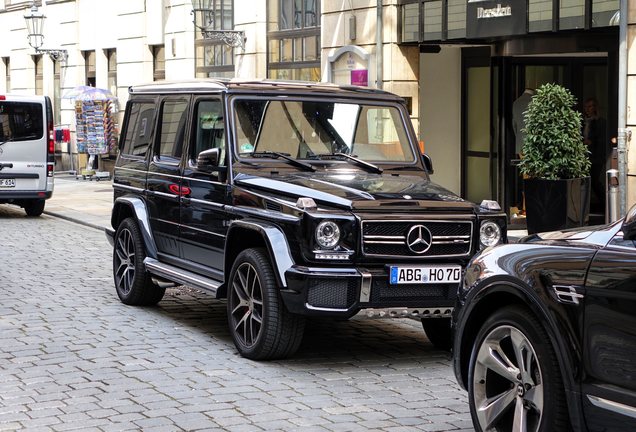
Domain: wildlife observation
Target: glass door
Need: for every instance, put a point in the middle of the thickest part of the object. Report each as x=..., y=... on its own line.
x=478, y=157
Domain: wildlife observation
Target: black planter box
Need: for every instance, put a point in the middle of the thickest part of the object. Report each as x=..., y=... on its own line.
x=556, y=204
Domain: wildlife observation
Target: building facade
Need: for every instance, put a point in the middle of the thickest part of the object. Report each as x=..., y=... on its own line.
x=459, y=64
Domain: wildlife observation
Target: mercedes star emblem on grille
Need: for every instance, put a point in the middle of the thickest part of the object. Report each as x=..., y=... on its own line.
x=419, y=239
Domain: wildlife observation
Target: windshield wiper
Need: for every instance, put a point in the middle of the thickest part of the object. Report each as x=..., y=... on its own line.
x=285, y=156
x=363, y=164
x=4, y=142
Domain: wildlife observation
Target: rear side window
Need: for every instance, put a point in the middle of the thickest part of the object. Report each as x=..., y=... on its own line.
x=20, y=121
x=141, y=121
x=174, y=114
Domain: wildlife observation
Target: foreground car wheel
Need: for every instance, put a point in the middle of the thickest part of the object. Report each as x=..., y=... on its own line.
x=438, y=331
x=132, y=281
x=514, y=380
x=261, y=327
x=34, y=208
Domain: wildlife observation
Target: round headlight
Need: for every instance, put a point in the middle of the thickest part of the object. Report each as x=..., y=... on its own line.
x=327, y=234
x=489, y=233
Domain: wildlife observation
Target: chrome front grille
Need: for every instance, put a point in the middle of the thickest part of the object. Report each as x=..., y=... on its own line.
x=389, y=238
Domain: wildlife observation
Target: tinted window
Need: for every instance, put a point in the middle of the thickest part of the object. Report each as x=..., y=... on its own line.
x=140, y=126
x=20, y=121
x=173, y=117
x=209, y=131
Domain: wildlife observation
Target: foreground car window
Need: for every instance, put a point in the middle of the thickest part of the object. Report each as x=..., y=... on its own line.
x=308, y=129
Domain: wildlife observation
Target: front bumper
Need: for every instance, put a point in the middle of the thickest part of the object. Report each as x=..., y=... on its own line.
x=343, y=292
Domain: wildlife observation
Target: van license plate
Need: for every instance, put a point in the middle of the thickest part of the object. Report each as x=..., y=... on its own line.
x=424, y=274
x=7, y=183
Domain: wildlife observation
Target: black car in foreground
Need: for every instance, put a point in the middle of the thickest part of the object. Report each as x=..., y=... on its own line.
x=545, y=332
x=289, y=200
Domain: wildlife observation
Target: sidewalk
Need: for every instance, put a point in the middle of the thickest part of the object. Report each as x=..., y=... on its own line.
x=89, y=202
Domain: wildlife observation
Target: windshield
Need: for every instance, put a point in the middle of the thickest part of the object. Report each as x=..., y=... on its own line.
x=309, y=129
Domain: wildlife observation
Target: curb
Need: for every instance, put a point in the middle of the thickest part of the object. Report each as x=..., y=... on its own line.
x=74, y=220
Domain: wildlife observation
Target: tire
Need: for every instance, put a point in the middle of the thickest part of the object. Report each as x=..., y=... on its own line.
x=261, y=327
x=132, y=282
x=438, y=331
x=500, y=392
x=34, y=208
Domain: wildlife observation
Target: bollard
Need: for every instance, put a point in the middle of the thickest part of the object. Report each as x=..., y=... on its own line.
x=612, y=198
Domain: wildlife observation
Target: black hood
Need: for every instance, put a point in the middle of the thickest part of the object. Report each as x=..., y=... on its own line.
x=358, y=190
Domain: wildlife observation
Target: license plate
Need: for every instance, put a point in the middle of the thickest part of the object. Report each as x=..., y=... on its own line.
x=425, y=274
x=7, y=183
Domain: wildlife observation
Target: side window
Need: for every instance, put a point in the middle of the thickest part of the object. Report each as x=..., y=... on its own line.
x=618, y=240
x=141, y=120
x=209, y=130
x=174, y=113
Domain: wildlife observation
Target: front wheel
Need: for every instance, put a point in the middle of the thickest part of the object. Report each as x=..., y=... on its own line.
x=132, y=282
x=261, y=327
x=514, y=381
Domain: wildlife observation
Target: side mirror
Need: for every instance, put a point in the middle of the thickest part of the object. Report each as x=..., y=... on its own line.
x=208, y=160
x=428, y=163
x=629, y=224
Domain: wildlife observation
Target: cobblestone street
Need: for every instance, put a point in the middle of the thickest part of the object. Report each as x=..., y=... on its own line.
x=73, y=357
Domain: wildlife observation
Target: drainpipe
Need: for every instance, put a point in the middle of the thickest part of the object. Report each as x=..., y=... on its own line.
x=622, y=110
x=378, y=42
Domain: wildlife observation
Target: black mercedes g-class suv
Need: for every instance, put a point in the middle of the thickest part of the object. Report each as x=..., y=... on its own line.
x=290, y=200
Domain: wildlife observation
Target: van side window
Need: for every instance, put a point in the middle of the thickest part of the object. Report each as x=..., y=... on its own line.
x=174, y=114
x=140, y=127
x=209, y=129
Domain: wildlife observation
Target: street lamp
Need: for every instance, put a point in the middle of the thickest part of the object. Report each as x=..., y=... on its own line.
x=35, y=23
x=204, y=17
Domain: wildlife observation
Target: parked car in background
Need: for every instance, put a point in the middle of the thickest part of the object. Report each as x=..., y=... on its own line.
x=289, y=200
x=27, y=151
x=545, y=332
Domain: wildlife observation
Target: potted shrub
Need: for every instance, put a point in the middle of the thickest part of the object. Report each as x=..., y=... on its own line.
x=555, y=162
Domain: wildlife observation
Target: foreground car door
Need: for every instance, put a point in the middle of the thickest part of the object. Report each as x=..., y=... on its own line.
x=609, y=386
x=203, y=226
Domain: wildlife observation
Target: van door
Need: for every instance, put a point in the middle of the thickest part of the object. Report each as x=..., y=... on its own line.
x=23, y=145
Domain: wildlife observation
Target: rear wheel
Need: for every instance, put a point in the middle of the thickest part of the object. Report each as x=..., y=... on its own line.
x=34, y=208
x=261, y=327
x=514, y=381
x=132, y=282
x=438, y=331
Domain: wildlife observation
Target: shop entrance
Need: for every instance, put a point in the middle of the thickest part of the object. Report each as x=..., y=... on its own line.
x=587, y=78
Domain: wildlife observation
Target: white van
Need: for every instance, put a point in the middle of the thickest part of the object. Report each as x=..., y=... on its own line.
x=27, y=151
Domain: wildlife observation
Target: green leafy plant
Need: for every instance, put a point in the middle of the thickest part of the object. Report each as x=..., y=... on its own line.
x=553, y=146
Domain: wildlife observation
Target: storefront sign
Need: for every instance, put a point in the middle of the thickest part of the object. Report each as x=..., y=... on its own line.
x=490, y=18
x=360, y=77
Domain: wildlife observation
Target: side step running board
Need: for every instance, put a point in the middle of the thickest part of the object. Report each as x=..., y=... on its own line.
x=182, y=277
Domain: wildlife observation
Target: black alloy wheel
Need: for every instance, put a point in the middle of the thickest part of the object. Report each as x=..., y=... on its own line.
x=261, y=327
x=132, y=282
x=514, y=379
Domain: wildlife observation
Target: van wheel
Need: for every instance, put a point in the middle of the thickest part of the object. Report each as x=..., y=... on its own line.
x=261, y=327
x=438, y=331
x=34, y=208
x=132, y=282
